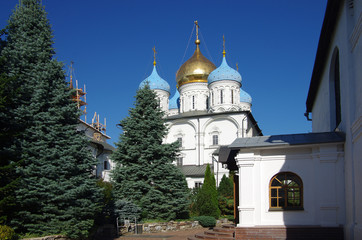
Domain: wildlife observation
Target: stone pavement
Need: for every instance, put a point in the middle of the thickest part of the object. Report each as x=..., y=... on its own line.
x=173, y=235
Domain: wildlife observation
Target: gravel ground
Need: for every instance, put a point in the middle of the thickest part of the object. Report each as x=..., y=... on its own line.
x=176, y=235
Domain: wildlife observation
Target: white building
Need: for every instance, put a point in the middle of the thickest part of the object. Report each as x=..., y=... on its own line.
x=309, y=185
x=99, y=148
x=208, y=109
x=95, y=132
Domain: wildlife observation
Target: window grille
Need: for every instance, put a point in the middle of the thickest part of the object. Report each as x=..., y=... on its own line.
x=286, y=192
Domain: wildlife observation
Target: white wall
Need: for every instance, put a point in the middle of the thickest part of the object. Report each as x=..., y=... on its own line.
x=347, y=40
x=198, y=150
x=321, y=170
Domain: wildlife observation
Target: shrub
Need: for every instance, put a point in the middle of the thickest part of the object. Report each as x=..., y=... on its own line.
x=206, y=221
x=7, y=233
x=127, y=210
x=230, y=218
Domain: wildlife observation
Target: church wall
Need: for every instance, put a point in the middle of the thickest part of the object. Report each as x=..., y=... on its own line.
x=186, y=130
x=193, y=97
x=225, y=95
x=347, y=40
x=199, y=150
x=321, y=171
x=163, y=98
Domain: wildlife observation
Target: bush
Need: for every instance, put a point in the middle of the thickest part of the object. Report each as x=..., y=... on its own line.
x=229, y=218
x=7, y=233
x=206, y=221
x=127, y=210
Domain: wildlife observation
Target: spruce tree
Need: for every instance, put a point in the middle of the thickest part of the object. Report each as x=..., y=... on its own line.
x=144, y=172
x=226, y=196
x=206, y=200
x=8, y=159
x=57, y=192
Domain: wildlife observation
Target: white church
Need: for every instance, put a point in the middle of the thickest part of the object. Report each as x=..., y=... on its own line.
x=209, y=109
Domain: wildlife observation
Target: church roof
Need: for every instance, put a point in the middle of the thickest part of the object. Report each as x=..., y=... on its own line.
x=104, y=145
x=193, y=171
x=244, y=96
x=155, y=81
x=324, y=44
x=289, y=139
x=174, y=101
x=227, y=153
x=224, y=72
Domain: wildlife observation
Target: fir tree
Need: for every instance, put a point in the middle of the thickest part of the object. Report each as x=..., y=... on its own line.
x=57, y=192
x=144, y=172
x=226, y=196
x=8, y=160
x=206, y=200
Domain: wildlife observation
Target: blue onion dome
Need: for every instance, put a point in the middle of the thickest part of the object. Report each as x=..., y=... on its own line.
x=224, y=72
x=174, y=102
x=245, y=97
x=155, y=81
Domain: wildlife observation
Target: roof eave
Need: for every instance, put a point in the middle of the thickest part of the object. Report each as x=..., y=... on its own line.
x=328, y=28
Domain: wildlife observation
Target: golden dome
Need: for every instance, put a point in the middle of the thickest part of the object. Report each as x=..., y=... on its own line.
x=196, y=69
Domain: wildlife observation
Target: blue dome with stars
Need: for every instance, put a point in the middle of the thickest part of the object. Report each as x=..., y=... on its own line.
x=155, y=81
x=244, y=96
x=224, y=72
x=174, y=102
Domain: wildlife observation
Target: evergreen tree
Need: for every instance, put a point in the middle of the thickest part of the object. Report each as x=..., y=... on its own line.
x=206, y=201
x=144, y=173
x=226, y=187
x=57, y=192
x=226, y=196
x=8, y=160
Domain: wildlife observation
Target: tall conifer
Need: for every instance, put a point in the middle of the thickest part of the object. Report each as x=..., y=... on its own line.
x=144, y=172
x=226, y=196
x=206, y=200
x=57, y=192
x=8, y=158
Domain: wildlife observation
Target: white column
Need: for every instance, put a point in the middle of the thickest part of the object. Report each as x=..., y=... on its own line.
x=245, y=162
x=330, y=185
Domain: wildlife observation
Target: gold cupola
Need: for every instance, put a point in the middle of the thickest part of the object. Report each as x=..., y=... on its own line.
x=197, y=68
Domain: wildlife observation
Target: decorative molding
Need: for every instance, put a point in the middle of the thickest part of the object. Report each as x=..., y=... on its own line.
x=356, y=33
x=331, y=157
x=284, y=157
x=356, y=129
x=326, y=208
x=251, y=208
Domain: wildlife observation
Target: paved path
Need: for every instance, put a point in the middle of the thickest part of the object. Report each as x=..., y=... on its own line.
x=176, y=235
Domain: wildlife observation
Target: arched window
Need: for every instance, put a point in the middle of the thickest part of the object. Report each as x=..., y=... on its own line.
x=232, y=96
x=286, y=192
x=221, y=96
x=335, y=91
x=179, y=161
x=215, y=139
x=105, y=165
x=179, y=140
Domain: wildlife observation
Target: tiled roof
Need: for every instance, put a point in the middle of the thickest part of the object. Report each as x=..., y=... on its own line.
x=193, y=171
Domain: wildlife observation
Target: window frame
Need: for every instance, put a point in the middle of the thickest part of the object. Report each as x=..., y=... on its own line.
x=179, y=140
x=198, y=184
x=284, y=188
x=105, y=165
x=179, y=161
x=215, y=138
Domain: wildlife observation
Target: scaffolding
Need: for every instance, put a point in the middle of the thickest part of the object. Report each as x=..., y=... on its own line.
x=80, y=95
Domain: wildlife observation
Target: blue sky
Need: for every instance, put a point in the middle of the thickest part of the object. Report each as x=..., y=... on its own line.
x=111, y=41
